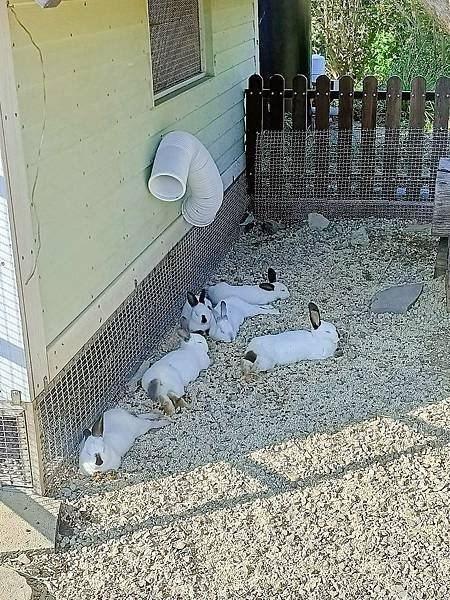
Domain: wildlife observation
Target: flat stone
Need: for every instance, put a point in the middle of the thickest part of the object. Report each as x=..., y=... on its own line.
x=13, y=586
x=397, y=299
x=27, y=522
x=317, y=221
x=360, y=237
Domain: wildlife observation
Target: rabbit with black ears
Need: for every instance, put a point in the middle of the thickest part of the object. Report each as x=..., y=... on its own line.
x=197, y=312
x=104, y=446
x=265, y=352
x=165, y=381
x=264, y=293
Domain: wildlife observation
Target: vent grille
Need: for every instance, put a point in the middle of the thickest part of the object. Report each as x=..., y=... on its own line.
x=175, y=42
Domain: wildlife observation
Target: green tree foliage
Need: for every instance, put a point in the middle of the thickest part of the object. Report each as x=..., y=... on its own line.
x=381, y=38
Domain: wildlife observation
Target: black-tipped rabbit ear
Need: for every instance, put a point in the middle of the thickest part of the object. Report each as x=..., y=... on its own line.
x=191, y=298
x=272, y=276
x=269, y=287
x=202, y=297
x=314, y=315
x=97, y=430
x=86, y=433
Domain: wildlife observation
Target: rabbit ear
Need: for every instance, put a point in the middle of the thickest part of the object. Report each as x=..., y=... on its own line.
x=192, y=299
x=314, y=315
x=86, y=433
x=271, y=275
x=97, y=430
x=269, y=287
x=184, y=332
x=223, y=310
x=202, y=297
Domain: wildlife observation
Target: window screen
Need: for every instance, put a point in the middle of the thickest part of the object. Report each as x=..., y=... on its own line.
x=174, y=42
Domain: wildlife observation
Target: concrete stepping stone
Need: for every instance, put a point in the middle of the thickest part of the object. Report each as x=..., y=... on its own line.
x=397, y=299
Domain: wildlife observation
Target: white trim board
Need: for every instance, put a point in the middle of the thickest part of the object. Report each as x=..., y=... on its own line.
x=61, y=350
x=18, y=197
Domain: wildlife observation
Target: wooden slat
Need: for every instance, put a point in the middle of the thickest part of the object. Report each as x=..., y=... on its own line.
x=441, y=264
x=417, y=103
x=276, y=119
x=321, y=140
x=322, y=103
x=393, y=103
x=299, y=103
x=299, y=123
x=440, y=129
x=344, y=149
x=254, y=116
x=441, y=212
x=346, y=96
x=392, y=137
x=415, y=142
x=442, y=104
x=368, y=137
x=369, y=103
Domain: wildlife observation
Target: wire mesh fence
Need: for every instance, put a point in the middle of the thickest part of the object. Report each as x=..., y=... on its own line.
x=385, y=172
x=90, y=383
x=15, y=467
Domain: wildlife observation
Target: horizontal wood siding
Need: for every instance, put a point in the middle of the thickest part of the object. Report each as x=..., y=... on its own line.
x=93, y=208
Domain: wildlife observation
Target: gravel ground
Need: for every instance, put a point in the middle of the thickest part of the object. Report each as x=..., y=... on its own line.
x=315, y=481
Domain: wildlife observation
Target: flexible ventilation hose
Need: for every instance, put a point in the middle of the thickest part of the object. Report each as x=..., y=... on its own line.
x=183, y=164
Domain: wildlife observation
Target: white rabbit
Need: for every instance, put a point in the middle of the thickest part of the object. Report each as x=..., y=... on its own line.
x=229, y=315
x=265, y=352
x=103, y=447
x=264, y=293
x=197, y=312
x=166, y=379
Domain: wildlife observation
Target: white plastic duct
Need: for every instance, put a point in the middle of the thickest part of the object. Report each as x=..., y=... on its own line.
x=183, y=162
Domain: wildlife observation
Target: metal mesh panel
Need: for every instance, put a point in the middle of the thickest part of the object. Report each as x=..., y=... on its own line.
x=15, y=468
x=347, y=173
x=90, y=383
x=174, y=41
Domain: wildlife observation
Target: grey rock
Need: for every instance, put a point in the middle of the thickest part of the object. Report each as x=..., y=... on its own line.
x=360, y=237
x=317, y=222
x=397, y=299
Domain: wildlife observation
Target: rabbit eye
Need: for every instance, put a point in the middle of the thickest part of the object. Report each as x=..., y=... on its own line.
x=204, y=319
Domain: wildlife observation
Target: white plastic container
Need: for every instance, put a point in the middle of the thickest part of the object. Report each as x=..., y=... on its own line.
x=317, y=66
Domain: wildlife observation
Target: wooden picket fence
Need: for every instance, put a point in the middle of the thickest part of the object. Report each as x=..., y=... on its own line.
x=266, y=112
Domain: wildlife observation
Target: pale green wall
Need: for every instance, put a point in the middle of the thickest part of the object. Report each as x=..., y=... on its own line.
x=92, y=205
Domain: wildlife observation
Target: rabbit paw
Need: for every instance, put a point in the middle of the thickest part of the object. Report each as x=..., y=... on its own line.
x=168, y=408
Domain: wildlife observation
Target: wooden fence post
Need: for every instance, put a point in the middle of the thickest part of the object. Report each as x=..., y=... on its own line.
x=415, y=143
x=253, y=122
x=300, y=107
x=391, y=152
x=321, y=137
x=345, y=136
x=276, y=119
x=440, y=129
x=368, y=137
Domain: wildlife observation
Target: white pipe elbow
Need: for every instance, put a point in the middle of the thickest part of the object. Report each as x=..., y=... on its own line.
x=182, y=162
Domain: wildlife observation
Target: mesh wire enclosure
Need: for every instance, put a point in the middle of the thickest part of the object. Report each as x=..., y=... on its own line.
x=175, y=42
x=344, y=173
x=15, y=464
x=90, y=382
